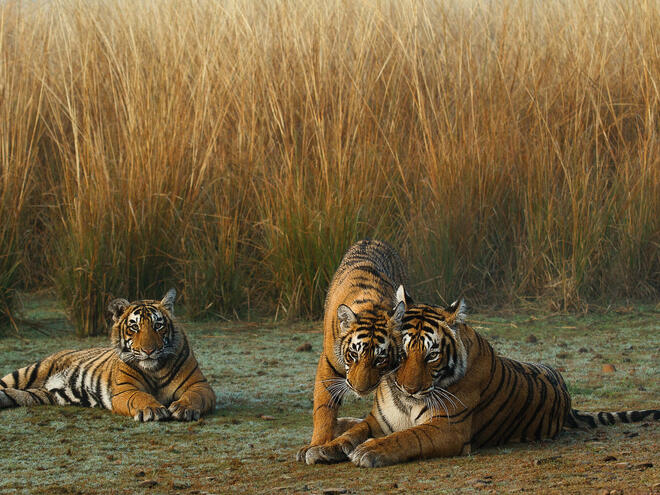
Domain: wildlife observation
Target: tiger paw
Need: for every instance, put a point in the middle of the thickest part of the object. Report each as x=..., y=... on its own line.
x=301, y=455
x=335, y=451
x=155, y=413
x=370, y=454
x=182, y=411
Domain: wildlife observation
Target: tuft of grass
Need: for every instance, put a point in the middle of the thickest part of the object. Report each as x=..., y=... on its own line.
x=237, y=149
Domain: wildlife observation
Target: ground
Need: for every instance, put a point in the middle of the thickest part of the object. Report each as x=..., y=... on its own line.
x=264, y=389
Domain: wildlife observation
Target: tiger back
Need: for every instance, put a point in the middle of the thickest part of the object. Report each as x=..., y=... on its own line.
x=453, y=393
x=149, y=372
x=362, y=316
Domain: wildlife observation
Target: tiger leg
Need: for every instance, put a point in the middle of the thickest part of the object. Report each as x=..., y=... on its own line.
x=12, y=397
x=436, y=438
x=325, y=408
x=138, y=404
x=340, y=448
x=194, y=400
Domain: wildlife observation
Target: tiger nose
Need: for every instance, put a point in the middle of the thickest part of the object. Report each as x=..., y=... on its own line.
x=149, y=351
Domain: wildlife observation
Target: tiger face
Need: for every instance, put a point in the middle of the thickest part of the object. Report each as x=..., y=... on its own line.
x=143, y=331
x=369, y=345
x=434, y=356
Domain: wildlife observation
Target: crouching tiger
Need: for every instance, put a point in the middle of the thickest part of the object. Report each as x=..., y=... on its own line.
x=363, y=312
x=149, y=372
x=452, y=394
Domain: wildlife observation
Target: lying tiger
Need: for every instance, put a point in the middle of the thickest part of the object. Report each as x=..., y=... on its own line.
x=149, y=373
x=453, y=394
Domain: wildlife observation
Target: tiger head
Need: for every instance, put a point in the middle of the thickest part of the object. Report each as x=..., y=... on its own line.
x=369, y=345
x=434, y=356
x=143, y=332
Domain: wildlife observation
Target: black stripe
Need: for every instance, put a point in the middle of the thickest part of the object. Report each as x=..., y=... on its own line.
x=510, y=417
x=328, y=406
x=181, y=359
x=60, y=392
x=123, y=392
x=419, y=442
x=184, y=381
x=380, y=411
x=33, y=374
x=332, y=367
x=2, y=382
x=430, y=437
x=587, y=418
x=98, y=389
x=37, y=399
x=424, y=409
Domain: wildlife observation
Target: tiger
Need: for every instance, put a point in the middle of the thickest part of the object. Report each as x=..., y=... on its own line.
x=452, y=394
x=361, y=339
x=149, y=372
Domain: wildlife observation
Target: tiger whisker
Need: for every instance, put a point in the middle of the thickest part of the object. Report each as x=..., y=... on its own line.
x=432, y=401
x=452, y=395
x=337, y=388
x=448, y=398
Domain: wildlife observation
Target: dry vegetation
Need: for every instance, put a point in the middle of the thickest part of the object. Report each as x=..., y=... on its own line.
x=235, y=149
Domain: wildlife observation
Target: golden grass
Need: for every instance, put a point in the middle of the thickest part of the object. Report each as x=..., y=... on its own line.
x=236, y=149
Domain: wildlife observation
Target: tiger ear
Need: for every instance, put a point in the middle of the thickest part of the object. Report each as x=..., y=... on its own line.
x=403, y=295
x=397, y=317
x=346, y=317
x=117, y=308
x=457, y=312
x=168, y=301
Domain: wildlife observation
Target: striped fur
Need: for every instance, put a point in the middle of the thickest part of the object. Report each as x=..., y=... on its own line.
x=453, y=394
x=149, y=373
x=361, y=331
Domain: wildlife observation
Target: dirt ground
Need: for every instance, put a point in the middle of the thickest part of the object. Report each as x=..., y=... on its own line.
x=264, y=389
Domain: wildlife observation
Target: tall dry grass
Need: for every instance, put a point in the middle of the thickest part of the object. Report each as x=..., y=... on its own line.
x=236, y=149
x=21, y=100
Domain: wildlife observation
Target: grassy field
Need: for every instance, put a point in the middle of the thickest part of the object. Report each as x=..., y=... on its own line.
x=264, y=387
x=235, y=149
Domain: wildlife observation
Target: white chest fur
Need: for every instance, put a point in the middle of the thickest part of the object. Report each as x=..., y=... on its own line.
x=395, y=411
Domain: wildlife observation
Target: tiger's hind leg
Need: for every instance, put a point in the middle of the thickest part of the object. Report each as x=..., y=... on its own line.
x=12, y=397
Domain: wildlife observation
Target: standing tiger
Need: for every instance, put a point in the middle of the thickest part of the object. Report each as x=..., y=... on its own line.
x=452, y=394
x=149, y=373
x=361, y=338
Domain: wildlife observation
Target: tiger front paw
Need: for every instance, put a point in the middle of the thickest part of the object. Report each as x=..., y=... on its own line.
x=336, y=451
x=301, y=455
x=182, y=411
x=151, y=413
x=371, y=454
